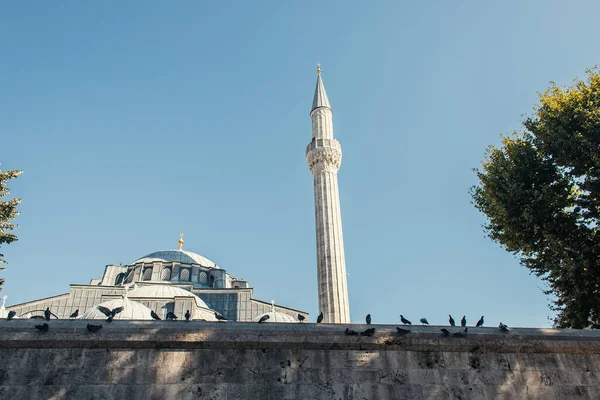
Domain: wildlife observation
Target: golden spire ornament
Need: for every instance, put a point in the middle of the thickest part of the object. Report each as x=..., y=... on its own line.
x=180, y=241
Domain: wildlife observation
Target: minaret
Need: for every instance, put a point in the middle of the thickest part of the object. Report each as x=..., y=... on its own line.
x=324, y=156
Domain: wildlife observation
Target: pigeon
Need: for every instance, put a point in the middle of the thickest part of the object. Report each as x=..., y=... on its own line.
x=301, y=317
x=350, y=332
x=404, y=320
x=187, y=315
x=219, y=317
x=368, y=332
x=36, y=317
x=47, y=314
x=445, y=332
x=263, y=318
x=463, y=321
x=461, y=334
x=479, y=323
x=11, y=315
x=424, y=321
x=503, y=327
x=93, y=328
x=368, y=319
x=42, y=328
x=320, y=318
x=170, y=316
x=451, y=320
x=154, y=315
x=75, y=314
x=110, y=314
x=402, y=331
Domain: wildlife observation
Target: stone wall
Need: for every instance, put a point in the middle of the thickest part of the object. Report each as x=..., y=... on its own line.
x=200, y=360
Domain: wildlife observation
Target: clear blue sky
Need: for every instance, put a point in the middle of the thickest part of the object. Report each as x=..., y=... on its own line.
x=134, y=121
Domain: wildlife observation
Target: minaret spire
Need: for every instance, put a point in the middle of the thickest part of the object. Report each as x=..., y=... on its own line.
x=324, y=156
x=320, y=98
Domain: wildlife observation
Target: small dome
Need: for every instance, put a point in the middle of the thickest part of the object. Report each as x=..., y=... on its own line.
x=275, y=316
x=177, y=255
x=131, y=310
x=205, y=314
x=164, y=292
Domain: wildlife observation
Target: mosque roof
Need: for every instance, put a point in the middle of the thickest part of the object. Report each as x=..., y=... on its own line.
x=164, y=292
x=320, y=98
x=275, y=316
x=131, y=310
x=177, y=255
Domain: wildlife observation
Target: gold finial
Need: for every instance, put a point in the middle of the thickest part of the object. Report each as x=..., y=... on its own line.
x=181, y=241
x=318, y=68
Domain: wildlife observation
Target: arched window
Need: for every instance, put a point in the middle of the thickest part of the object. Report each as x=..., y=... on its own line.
x=119, y=279
x=184, y=275
x=165, y=275
x=129, y=276
x=147, y=274
x=203, y=278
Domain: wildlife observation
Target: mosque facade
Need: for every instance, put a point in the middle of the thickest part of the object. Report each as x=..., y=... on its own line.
x=183, y=282
x=176, y=281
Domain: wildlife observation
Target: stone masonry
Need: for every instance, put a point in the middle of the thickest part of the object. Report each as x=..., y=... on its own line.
x=211, y=360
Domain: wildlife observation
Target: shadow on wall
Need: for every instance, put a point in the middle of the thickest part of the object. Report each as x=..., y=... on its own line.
x=278, y=361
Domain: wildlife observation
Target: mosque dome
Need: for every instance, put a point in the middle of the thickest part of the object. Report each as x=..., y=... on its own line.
x=182, y=256
x=164, y=292
x=131, y=310
x=275, y=316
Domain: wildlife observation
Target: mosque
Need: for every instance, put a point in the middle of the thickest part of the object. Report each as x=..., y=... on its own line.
x=164, y=281
x=180, y=281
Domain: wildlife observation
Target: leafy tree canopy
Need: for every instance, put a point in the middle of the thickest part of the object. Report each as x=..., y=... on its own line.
x=8, y=211
x=540, y=191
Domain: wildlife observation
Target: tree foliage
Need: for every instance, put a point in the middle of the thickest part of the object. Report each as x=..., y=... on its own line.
x=8, y=211
x=540, y=191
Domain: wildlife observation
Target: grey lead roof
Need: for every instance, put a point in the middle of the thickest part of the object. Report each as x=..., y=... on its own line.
x=320, y=99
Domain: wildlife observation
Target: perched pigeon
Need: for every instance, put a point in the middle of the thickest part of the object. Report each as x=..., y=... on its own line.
x=463, y=321
x=219, y=317
x=75, y=314
x=93, y=328
x=424, y=321
x=479, y=323
x=451, y=320
x=154, y=315
x=187, y=315
x=301, y=317
x=110, y=314
x=263, y=318
x=320, y=318
x=42, y=328
x=47, y=314
x=503, y=327
x=350, y=332
x=368, y=319
x=11, y=315
x=170, y=316
x=445, y=332
x=404, y=320
x=368, y=332
x=461, y=334
x=402, y=331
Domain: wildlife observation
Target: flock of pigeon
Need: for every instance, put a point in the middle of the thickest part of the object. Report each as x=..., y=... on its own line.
x=111, y=314
x=402, y=331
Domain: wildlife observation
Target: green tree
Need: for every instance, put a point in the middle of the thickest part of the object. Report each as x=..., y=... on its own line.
x=540, y=191
x=8, y=211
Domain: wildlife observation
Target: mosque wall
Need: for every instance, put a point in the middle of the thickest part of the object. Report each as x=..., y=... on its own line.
x=196, y=360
